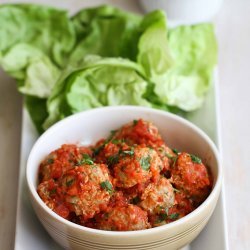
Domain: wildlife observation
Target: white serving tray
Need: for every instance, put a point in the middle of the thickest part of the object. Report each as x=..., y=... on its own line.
x=30, y=234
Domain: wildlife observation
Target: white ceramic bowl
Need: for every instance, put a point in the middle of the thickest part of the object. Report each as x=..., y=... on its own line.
x=89, y=126
x=185, y=11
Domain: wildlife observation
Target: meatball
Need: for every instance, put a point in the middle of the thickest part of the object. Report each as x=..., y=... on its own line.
x=138, y=165
x=87, y=189
x=190, y=175
x=61, y=160
x=139, y=132
x=48, y=191
x=183, y=206
x=107, y=152
x=167, y=156
x=157, y=196
x=123, y=218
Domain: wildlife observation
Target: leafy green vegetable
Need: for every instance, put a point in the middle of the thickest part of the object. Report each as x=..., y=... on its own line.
x=128, y=152
x=42, y=27
x=35, y=72
x=69, y=182
x=195, y=159
x=176, y=151
x=38, y=111
x=98, y=82
x=103, y=56
x=106, y=31
x=85, y=160
x=145, y=162
x=113, y=159
x=194, y=51
x=135, y=200
x=107, y=186
x=174, y=216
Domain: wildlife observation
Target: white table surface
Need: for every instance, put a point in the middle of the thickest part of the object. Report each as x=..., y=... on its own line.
x=233, y=32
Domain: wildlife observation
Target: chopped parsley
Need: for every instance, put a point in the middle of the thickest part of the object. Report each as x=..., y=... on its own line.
x=195, y=159
x=174, y=216
x=162, y=217
x=128, y=152
x=116, y=141
x=113, y=159
x=135, y=122
x=112, y=133
x=145, y=162
x=69, y=182
x=135, y=200
x=50, y=161
x=85, y=160
x=107, y=186
x=175, y=151
x=53, y=191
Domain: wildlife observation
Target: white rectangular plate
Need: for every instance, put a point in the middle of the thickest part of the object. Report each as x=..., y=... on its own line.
x=30, y=234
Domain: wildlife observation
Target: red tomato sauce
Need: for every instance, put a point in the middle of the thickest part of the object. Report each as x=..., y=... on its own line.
x=129, y=181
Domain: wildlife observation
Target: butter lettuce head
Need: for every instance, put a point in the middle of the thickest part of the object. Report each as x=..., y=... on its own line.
x=105, y=31
x=103, y=56
x=97, y=82
x=47, y=29
x=194, y=52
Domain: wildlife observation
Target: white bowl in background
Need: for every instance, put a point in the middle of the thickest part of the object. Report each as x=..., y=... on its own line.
x=88, y=127
x=185, y=11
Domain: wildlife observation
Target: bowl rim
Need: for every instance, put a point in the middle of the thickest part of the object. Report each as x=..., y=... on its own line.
x=215, y=191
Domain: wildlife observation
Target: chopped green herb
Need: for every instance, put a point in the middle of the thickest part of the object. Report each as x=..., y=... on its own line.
x=53, y=191
x=195, y=159
x=175, y=151
x=86, y=160
x=116, y=141
x=135, y=122
x=170, y=156
x=135, y=200
x=162, y=217
x=113, y=159
x=128, y=152
x=107, y=186
x=112, y=133
x=50, y=161
x=69, y=182
x=97, y=150
x=145, y=162
x=174, y=216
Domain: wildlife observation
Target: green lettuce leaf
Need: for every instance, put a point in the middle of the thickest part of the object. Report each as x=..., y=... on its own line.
x=98, y=82
x=45, y=28
x=194, y=52
x=106, y=31
x=37, y=108
x=35, y=73
x=154, y=54
x=103, y=56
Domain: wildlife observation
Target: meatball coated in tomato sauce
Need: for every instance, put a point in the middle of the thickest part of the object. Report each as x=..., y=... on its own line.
x=191, y=176
x=123, y=218
x=139, y=132
x=137, y=165
x=157, y=195
x=86, y=189
x=60, y=160
x=47, y=190
x=166, y=155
